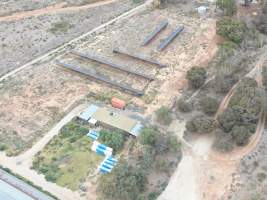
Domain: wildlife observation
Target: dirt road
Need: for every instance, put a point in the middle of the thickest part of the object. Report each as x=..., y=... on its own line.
x=27, y=157
x=58, y=8
x=22, y=164
x=204, y=174
x=78, y=40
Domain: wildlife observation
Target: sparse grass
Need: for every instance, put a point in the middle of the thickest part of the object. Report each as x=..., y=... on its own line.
x=107, y=96
x=12, y=144
x=149, y=97
x=67, y=160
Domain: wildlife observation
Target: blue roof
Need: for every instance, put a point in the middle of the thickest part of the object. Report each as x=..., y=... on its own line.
x=137, y=129
x=87, y=114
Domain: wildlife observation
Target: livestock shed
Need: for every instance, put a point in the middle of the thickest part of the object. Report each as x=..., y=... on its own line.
x=111, y=119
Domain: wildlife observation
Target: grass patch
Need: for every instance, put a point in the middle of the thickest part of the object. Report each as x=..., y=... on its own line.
x=67, y=160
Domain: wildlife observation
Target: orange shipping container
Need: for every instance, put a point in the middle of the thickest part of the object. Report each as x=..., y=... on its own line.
x=118, y=103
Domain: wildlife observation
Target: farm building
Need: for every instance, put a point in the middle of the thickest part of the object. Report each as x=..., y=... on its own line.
x=111, y=119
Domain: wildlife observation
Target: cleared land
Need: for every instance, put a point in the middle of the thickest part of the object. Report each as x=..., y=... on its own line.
x=44, y=92
x=24, y=39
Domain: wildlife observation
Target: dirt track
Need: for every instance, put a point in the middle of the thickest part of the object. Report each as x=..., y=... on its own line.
x=22, y=163
x=55, y=9
x=209, y=173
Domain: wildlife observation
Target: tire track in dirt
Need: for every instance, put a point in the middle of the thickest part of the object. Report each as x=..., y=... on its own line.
x=230, y=161
x=55, y=9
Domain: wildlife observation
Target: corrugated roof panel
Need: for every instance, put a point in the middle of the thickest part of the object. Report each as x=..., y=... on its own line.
x=137, y=129
x=87, y=114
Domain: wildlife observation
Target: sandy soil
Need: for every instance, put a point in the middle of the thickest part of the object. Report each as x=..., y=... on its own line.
x=55, y=9
x=9, y=7
x=23, y=39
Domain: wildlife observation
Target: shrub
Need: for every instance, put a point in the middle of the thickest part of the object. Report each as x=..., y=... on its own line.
x=164, y=115
x=226, y=50
x=113, y=139
x=227, y=120
x=228, y=6
x=231, y=29
x=185, y=106
x=72, y=129
x=200, y=124
x=190, y=126
x=240, y=135
x=149, y=136
x=224, y=83
x=196, y=76
x=3, y=147
x=160, y=164
x=261, y=177
x=264, y=6
x=147, y=158
x=247, y=96
x=172, y=143
x=223, y=141
x=153, y=195
x=209, y=105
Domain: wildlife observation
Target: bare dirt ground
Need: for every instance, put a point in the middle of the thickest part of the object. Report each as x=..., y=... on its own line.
x=9, y=7
x=55, y=9
x=36, y=97
x=22, y=39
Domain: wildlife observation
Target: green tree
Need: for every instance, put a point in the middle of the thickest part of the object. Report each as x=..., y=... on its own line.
x=231, y=29
x=240, y=135
x=164, y=115
x=223, y=141
x=196, y=76
x=228, y=6
x=149, y=136
x=209, y=105
x=184, y=105
x=227, y=120
x=126, y=182
x=173, y=144
x=113, y=139
x=200, y=124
